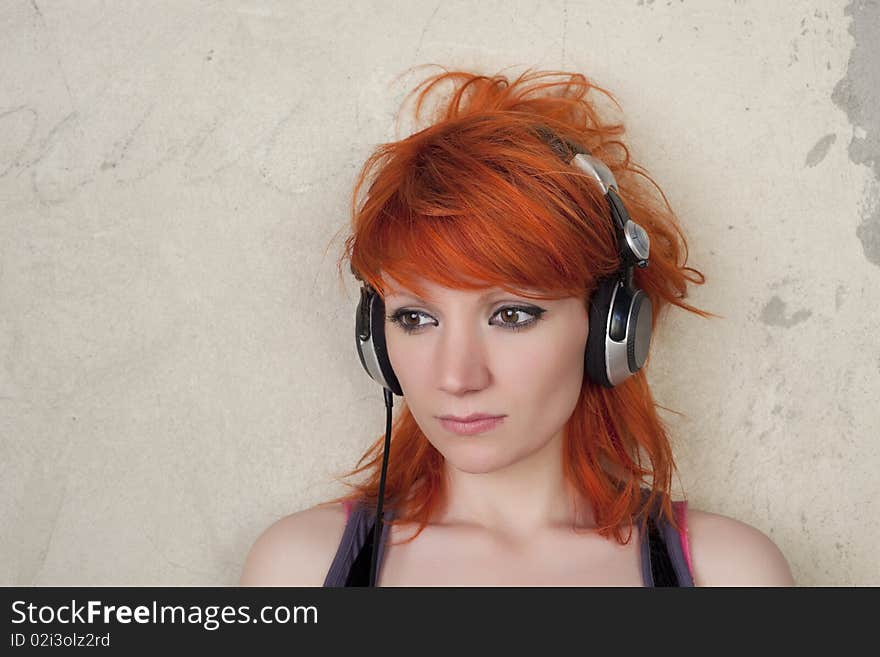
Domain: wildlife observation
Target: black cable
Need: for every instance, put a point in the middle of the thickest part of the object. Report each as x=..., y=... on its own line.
x=377, y=531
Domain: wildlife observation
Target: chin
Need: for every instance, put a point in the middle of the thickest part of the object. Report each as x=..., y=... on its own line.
x=474, y=468
x=477, y=463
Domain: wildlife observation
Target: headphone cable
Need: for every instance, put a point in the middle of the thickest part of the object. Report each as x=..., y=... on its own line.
x=377, y=531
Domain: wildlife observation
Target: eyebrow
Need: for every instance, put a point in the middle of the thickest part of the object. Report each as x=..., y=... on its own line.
x=483, y=297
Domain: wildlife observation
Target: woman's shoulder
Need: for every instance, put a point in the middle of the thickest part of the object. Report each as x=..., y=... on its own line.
x=296, y=550
x=727, y=552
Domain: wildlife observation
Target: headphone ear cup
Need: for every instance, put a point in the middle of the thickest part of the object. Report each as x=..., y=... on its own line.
x=370, y=340
x=595, y=359
x=377, y=329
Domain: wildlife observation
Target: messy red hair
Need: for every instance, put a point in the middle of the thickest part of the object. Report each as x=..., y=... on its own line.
x=479, y=199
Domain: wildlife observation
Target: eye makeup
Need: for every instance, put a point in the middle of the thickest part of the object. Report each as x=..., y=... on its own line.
x=398, y=317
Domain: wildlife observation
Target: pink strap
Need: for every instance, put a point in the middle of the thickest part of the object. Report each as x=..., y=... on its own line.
x=347, y=505
x=681, y=518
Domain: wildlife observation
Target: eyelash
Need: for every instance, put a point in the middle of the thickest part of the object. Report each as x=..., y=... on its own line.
x=537, y=312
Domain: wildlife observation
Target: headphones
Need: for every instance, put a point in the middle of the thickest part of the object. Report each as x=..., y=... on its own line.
x=620, y=313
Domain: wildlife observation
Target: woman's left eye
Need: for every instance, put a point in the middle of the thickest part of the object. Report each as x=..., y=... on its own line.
x=508, y=314
x=513, y=312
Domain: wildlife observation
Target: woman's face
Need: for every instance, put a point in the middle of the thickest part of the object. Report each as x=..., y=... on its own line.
x=463, y=356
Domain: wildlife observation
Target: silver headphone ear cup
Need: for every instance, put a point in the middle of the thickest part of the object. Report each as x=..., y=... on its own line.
x=377, y=326
x=362, y=339
x=620, y=333
x=370, y=340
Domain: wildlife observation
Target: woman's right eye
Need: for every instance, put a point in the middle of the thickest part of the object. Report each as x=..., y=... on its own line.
x=408, y=320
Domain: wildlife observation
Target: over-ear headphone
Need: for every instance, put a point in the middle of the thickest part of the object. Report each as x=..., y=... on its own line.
x=620, y=313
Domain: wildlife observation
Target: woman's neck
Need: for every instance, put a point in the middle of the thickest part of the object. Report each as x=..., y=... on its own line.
x=527, y=496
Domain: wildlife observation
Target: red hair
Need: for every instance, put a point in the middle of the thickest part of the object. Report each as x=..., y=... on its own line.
x=479, y=199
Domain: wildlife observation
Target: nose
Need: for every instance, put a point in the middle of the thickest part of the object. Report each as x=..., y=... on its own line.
x=461, y=360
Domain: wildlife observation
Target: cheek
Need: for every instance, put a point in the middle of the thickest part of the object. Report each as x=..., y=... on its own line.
x=548, y=376
x=407, y=357
x=546, y=366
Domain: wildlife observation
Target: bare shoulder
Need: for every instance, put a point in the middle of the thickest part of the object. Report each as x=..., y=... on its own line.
x=296, y=550
x=728, y=552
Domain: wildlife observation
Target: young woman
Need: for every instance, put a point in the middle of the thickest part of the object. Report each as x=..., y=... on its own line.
x=513, y=268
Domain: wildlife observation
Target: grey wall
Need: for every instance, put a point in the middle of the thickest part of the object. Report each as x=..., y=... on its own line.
x=176, y=359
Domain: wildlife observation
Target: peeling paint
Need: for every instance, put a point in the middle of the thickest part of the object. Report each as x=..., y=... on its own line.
x=773, y=314
x=820, y=150
x=858, y=94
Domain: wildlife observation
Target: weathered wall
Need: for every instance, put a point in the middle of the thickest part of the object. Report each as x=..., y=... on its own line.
x=176, y=359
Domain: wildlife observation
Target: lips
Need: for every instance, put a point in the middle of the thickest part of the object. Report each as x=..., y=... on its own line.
x=469, y=418
x=480, y=424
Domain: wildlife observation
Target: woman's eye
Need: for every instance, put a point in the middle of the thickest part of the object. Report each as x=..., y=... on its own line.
x=510, y=317
x=408, y=319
